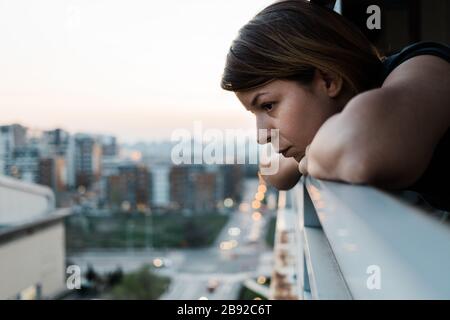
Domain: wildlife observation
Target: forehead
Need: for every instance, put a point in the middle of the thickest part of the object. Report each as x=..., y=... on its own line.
x=246, y=97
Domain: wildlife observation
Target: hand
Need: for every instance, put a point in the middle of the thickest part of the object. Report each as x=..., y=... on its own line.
x=265, y=160
x=303, y=164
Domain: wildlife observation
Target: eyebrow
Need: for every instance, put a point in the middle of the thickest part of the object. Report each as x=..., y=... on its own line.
x=255, y=99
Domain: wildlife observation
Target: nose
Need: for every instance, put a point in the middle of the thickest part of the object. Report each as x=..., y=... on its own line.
x=263, y=130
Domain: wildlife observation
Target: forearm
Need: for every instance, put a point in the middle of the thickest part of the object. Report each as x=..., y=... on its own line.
x=346, y=147
x=372, y=142
x=332, y=156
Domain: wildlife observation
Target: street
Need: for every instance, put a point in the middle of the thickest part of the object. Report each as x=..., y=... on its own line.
x=217, y=272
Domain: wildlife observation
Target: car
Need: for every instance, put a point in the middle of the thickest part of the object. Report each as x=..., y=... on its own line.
x=161, y=262
x=212, y=285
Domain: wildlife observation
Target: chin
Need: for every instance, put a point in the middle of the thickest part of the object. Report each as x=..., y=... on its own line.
x=298, y=156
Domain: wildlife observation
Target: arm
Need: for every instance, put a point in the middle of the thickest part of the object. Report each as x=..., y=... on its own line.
x=287, y=175
x=386, y=136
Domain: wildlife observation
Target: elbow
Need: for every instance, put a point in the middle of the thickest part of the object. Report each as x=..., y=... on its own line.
x=358, y=169
x=363, y=167
x=382, y=172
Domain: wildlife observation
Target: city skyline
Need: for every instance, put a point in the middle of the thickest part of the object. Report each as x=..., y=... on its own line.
x=139, y=79
x=247, y=134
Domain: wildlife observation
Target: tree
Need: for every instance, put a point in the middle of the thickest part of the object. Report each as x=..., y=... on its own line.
x=140, y=285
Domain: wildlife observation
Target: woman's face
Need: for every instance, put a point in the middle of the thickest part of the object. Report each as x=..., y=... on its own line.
x=296, y=110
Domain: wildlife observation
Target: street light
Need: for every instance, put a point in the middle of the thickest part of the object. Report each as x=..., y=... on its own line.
x=130, y=227
x=148, y=231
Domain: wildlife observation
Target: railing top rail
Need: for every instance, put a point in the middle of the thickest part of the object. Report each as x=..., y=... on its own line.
x=385, y=247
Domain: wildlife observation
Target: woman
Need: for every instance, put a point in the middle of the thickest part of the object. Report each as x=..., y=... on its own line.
x=343, y=112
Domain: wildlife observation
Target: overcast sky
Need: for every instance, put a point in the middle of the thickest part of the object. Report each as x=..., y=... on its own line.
x=137, y=69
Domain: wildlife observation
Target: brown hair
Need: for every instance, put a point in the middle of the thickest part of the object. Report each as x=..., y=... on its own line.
x=290, y=39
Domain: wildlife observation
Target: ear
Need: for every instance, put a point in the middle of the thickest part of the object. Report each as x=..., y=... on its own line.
x=330, y=82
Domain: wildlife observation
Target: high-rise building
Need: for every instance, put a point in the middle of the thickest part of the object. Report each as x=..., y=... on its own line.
x=130, y=187
x=59, y=143
x=161, y=185
x=205, y=195
x=87, y=160
x=2, y=157
x=182, y=186
x=109, y=146
x=194, y=188
x=11, y=137
x=52, y=173
x=56, y=141
x=70, y=163
x=24, y=164
x=143, y=187
x=232, y=177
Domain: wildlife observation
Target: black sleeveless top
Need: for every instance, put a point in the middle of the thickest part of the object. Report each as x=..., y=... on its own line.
x=434, y=184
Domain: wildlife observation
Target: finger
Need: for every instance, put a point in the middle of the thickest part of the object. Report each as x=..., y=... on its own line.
x=302, y=166
x=264, y=160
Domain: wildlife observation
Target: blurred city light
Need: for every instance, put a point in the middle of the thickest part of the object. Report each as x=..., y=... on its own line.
x=234, y=232
x=136, y=156
x=126, y=206
x=261, y=280
x=142, y=208
x=228, y=202
x=259, y=196
x=256, y=216
x=256, y=204
x=157, y=263
x=226, y=245
x=262, y=188
x=212, y=285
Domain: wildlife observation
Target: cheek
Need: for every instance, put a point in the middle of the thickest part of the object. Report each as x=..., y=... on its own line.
x=294, y=126
x=300, y=118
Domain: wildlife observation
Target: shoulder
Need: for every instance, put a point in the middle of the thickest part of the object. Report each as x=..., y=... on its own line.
x=418, y=87
x=419, y=69
x=421, y=48
x=394, y=129
x=387, y=136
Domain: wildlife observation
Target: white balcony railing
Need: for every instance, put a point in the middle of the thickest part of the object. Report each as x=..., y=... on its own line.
x=340, y=241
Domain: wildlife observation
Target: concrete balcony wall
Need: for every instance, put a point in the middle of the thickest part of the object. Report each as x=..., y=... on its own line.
x=21, y=201
x=37, y=259
x=32, y=241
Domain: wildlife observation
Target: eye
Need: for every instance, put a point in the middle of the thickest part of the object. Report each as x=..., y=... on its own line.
x=267, y=106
